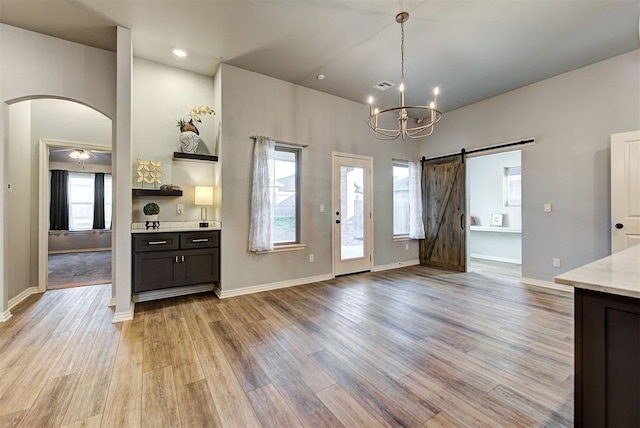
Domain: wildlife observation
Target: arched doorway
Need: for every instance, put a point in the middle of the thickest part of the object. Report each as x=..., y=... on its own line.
x=27, y=122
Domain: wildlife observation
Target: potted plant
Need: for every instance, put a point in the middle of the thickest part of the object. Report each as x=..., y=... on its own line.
x=189, y=134
x=151, y=210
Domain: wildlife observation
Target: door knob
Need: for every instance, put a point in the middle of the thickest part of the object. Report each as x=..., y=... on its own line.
x=337, y=221
x=619, y=225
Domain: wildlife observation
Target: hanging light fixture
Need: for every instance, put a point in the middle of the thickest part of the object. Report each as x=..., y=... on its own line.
x=79, y=154
x=425, y=116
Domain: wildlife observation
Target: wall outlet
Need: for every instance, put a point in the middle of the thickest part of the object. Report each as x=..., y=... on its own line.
x=311, y=260
x=556, y=263
x=406, y=247
x=321, y=208
x=547, y=207
x=179, y=208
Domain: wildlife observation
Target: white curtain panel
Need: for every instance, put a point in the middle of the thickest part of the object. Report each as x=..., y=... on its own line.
x=416, y=227
x=262, y=195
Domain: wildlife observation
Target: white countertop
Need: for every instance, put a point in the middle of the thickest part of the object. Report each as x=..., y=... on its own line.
x=617, y=274
x=176, y=226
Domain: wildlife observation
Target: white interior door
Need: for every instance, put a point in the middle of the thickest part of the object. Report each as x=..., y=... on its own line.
x=352, y=218
x=625, y=190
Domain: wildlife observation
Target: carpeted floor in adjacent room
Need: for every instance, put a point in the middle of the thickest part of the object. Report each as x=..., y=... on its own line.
x=78, y=269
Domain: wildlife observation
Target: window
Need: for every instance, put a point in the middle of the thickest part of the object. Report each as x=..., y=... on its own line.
x=81, y=200
x=107, y=201
x=400, y=198
x=286, y=220
x=512, y=186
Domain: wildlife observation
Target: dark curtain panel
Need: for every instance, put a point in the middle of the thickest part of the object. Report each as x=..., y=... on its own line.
x=59, y=207
x=98, y=201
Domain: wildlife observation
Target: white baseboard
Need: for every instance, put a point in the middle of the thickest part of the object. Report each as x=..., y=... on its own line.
x=395, y=265
x=124, y=315
x=146, y=296
x=223, y=294
x=546, y=284
x=20, y=297
x=496, y=258
x=112, y=302
x=5, y=316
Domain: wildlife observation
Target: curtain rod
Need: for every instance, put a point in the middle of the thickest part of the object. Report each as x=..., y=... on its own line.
x=286, y=143
x=463, y=152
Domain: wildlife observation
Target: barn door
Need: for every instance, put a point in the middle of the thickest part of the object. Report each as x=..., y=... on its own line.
x=443, y=190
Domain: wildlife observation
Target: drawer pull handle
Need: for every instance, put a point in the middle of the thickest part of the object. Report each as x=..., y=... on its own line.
x=200, y=240
x=157, y=242
x=182, y=259
x=176, y=259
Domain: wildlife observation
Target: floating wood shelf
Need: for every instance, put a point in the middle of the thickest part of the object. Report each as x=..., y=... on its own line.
x=156, y=192
x=193, y=156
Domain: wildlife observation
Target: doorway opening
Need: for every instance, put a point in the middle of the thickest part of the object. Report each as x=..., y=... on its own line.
x=494, y=201
x=79, y=253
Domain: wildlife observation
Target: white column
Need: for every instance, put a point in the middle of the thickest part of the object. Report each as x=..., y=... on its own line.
x=121, y=234
x=4, y=305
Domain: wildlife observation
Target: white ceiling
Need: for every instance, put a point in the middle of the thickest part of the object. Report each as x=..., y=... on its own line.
x=472, y=49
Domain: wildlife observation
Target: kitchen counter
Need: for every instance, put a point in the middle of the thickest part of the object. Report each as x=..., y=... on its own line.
x=176, y=226
x=618, y=274
x=607, y=340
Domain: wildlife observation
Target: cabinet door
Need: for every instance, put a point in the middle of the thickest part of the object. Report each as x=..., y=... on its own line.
x=200, y=266
x=607, y=380
x=155, y=270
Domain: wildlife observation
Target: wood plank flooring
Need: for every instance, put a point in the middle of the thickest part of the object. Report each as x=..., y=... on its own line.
x=407, y=347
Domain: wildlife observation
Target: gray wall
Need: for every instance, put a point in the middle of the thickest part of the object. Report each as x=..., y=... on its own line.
x=254, y=104
x=572, y=117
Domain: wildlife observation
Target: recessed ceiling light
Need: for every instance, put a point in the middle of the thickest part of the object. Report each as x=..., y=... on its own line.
x=179, y=52
x=320, y=77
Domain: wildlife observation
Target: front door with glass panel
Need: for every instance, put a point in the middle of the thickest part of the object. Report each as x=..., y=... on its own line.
x=351, y=214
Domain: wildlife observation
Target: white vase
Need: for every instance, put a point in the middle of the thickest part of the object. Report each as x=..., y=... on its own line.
x=153, y=217
x=189, y=141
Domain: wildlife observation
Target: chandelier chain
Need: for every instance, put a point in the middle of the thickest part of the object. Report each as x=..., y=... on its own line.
x=402, y=50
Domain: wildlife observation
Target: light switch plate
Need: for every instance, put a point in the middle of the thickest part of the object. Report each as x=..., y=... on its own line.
x=547, y=207
x=179, y=208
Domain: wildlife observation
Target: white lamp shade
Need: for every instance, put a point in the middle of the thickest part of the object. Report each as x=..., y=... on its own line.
x=204, y=195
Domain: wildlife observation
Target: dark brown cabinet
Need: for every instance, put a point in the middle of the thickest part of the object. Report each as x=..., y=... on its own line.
x=607, y=383
x=174, y=259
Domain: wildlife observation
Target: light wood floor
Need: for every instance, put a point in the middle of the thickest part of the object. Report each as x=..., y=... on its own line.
x=407, y=347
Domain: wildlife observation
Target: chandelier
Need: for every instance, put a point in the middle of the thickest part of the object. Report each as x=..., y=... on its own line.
x=425, y=117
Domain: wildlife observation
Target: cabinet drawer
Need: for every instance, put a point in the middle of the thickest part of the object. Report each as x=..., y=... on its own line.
x=155, y=242
x=200, y=239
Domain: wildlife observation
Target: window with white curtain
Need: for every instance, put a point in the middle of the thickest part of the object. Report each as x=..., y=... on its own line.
x=400, y=198
x=81, y=200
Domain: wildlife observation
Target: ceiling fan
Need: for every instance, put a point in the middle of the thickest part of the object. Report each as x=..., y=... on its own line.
x=80, y=155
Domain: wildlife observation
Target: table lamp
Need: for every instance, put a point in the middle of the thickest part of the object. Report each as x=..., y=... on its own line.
x=204, y=198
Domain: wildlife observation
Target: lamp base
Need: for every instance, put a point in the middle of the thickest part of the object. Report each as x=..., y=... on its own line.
x=204, y=224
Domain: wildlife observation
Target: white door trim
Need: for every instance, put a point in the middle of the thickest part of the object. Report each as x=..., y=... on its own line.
x=370, y=228
x=43, y=200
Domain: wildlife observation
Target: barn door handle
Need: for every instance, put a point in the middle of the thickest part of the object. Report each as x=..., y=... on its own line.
x=462, y=221
x=619, y=225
